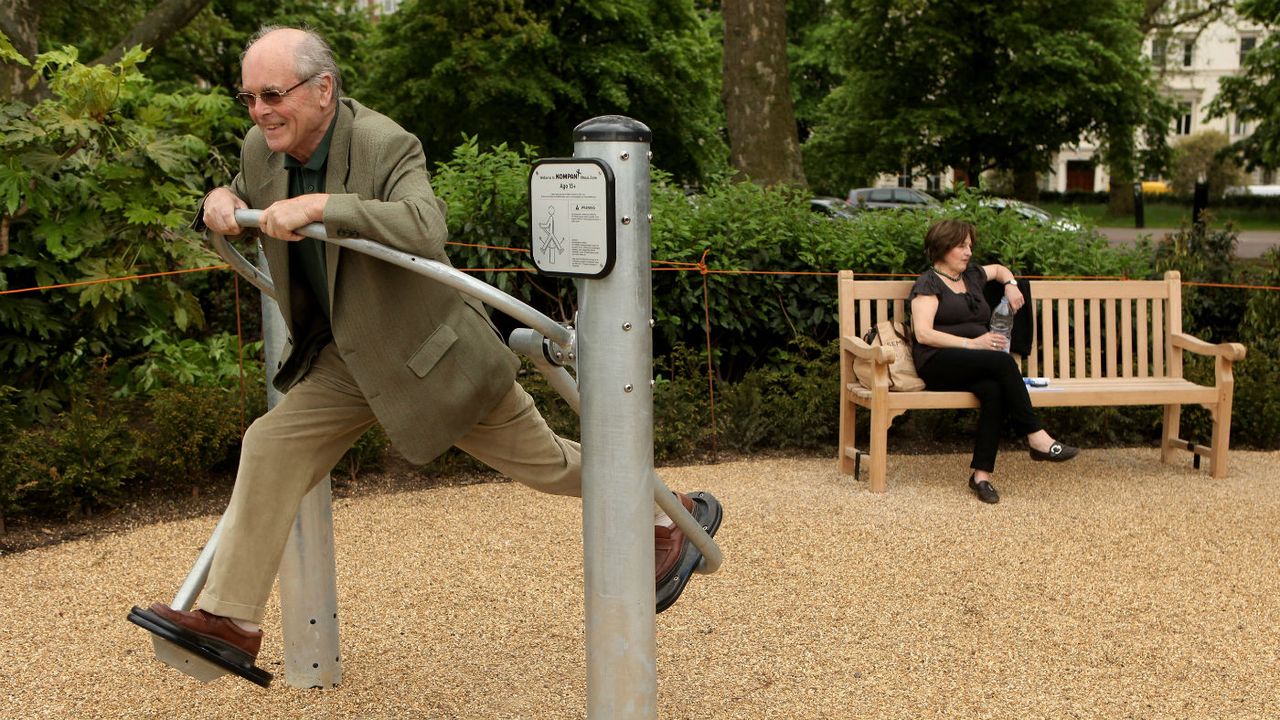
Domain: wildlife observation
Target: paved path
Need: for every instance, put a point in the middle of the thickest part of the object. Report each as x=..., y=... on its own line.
x=1253, y=243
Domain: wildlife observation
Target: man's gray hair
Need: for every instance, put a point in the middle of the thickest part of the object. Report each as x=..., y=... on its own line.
x=313, y=56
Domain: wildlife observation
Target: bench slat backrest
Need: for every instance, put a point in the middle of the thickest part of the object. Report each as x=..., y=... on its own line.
x=1085, y=328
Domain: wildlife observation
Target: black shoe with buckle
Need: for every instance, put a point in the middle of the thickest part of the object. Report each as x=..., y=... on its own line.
x=985, y=491
x=1057, y=453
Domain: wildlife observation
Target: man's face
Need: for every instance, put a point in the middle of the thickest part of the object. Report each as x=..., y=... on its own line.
x=297, y=122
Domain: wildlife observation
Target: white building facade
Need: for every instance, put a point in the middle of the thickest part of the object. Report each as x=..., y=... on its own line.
x=1193, y=62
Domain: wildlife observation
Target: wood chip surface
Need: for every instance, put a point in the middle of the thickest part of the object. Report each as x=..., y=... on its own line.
x=1108, y=587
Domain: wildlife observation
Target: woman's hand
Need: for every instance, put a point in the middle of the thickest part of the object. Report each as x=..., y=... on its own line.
x=987, y=341
x=1014, y=295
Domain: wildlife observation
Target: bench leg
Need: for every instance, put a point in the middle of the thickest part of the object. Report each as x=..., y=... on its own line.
x=879, y=442
x=1221, y=438
x=848, y=435
x=1169, y=432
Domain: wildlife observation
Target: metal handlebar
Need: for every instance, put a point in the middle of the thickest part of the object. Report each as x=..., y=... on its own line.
x=527, y=342
x=456, y=279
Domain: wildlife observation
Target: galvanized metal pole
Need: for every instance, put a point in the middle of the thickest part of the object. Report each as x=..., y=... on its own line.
x=308, y=569
x=615, y=368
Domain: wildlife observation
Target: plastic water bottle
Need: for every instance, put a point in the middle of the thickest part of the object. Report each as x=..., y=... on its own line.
x=1002, y=321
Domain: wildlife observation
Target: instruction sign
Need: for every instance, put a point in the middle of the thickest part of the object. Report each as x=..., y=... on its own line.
x=571, y=217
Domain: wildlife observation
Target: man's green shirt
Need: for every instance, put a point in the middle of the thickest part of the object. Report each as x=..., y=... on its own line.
x=308, y=253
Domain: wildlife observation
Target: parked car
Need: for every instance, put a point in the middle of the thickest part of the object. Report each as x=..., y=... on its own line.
x=1030, y=213
x=891, y=197
x=1263, y=190
x=831, y=207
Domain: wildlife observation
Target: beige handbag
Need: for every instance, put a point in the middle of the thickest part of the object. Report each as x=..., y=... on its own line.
x=902, y=371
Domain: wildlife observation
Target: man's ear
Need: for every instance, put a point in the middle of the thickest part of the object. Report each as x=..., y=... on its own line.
x=329, y=99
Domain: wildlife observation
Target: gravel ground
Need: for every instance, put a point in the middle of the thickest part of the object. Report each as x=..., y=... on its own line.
x=1111, y=587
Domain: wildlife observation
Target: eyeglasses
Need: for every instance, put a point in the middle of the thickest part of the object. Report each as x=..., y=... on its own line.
x=271, y=97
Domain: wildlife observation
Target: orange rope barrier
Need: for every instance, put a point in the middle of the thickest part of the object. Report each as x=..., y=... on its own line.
x=111, y=280
x=1238, y=287
x=675, y=265
x=488, y=247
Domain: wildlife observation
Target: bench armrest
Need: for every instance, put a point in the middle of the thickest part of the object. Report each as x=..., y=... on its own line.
x=878, y=354
x=1227, y=351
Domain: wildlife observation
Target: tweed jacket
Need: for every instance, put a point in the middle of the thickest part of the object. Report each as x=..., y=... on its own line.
x=428, y=359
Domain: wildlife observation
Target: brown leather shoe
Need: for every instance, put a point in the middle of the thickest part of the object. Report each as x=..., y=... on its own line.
x=668, y=545
x=213, y=627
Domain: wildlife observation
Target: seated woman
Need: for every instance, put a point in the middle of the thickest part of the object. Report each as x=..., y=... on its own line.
x=955, y=350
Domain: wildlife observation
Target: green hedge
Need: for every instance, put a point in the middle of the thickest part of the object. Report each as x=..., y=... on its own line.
x=164, y=416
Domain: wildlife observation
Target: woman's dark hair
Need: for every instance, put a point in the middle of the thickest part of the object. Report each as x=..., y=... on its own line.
x=944, y=235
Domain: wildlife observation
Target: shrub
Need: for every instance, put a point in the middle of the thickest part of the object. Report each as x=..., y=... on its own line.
x=210, y=361
x=97, y=181
x=1199, y=155
x=741, y=227
x=1256, y=412
x=367, y=454
x=681, y=410
x=800, y=382
x=1202, y=255
x=8, y=429
x=681, y=405
x=74, y=466
x=191, y=431
x=743, y=422
x=488, y=197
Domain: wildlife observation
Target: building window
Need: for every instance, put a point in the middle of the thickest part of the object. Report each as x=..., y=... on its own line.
x=1241, y=126
x=1188, y=52
x=1182, y=124
x=1247, y=44
x=1159, y=49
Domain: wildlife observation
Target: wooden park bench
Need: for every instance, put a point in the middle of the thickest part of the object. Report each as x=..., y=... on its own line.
x=1099, y=343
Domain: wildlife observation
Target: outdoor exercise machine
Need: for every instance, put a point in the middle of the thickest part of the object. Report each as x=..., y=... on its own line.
x=590, y=220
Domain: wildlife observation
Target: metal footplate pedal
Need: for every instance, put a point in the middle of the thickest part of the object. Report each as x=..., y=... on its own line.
x=708, y=513
x=198, y=657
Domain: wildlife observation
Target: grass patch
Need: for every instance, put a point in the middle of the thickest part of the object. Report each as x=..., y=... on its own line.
x=1172, y=214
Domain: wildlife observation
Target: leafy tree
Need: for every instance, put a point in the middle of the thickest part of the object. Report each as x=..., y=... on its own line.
x=97, y=28
x=97, y=181
x=1200, y=155
x=200, y=41
x=528, y=72
x=812, y=31
x=1255, y=96
x=975, y=85
x=1120, y=148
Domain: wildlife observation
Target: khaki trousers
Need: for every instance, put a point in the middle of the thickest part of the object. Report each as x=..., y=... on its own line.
x=291, y=448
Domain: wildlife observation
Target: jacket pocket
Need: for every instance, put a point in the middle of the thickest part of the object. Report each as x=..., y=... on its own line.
x=430, y=352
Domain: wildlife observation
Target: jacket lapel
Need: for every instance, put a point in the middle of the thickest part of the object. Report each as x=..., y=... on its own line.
x=273, y=185
x=338, y=167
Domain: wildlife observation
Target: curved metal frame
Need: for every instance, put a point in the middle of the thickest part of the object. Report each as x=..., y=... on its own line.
x=619, y=635
x=526, y=342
